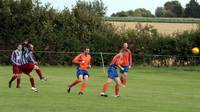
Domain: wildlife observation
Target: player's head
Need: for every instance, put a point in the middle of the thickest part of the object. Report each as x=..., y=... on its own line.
x=125, y=45
x=30, y=47
x=26, y=41
x=19, y=47
x=86, y=50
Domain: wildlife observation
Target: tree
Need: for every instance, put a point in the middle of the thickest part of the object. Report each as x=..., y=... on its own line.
x=120, y=14
x=174, y=8
x=97, y=6
x=192, y=9
x=160, y=12
x=141, y=12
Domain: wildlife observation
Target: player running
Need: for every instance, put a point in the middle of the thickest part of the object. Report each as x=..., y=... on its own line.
x=32, y=60
x=28, y=52
x=83, y=62
x=16, y=63
x=127, y=63
x=113, y=75
x=27, y=68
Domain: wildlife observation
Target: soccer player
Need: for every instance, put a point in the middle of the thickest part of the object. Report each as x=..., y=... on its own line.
x=32, y=60
x=27, y=68
x=83, y=62
x=28, y=52
x=127, y=63
x=16, y=63
x=113, y=75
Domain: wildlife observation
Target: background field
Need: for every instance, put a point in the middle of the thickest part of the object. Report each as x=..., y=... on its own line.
x=163, y=28
x=149, y=90
x=163, y=25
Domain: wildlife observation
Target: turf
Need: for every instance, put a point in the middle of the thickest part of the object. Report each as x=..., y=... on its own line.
x=149, y=90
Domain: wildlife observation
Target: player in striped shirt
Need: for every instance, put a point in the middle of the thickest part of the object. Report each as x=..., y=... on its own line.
x=83, y=62
x=28, y=53
x=32, y=60
x=113, y=75
x=27, y=68
x=16, y=63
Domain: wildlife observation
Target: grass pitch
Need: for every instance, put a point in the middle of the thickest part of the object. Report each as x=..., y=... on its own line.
x=148, y=90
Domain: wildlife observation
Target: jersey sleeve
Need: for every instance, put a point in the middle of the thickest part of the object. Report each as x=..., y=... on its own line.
x=14, y=58
x=130, y=58
x=76, y=60
x=31, y=57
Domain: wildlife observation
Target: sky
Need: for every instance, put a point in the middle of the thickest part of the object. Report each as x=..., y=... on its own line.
x=116, y=5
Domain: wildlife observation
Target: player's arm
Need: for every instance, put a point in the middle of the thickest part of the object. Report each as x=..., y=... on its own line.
x=14, y=58
x=25, y=50
x=90, y=62
x=130, y=59
x=31, y=57
x=119, y=62
x=76, y=60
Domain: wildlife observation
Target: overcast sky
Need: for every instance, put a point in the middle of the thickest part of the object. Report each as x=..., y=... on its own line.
x=116, y=5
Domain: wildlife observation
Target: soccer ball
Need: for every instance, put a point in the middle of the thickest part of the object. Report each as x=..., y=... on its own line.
x=195, y=50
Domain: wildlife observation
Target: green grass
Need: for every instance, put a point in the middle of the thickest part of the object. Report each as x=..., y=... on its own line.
x=153, y=19
x=149, y=90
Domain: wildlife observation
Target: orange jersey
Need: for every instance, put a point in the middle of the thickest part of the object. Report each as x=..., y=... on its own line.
x=83, y=60
x=127, y=57
x=117, y=59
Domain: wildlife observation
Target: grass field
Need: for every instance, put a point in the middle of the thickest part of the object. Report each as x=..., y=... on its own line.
x=149, y=90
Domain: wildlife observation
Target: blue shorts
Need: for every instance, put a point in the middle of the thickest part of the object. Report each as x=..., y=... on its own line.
x=125, y=69
x=112, y=73
x=81, y=72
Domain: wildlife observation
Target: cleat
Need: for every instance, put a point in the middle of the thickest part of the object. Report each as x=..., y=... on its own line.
x=18, y=87
x=44, y=79
x=34, y=89
x=80, y=93
x=123, y=85
x=69, y=90
x=104, y=95
x=10, y=84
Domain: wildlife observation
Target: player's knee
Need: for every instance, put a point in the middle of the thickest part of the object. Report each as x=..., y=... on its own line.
x=18, y=76
x=31, y=76
x=36, y=67
x=80, y=79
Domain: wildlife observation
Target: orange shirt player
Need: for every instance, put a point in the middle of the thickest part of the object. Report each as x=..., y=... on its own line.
x=127, y=63
x=83, y=62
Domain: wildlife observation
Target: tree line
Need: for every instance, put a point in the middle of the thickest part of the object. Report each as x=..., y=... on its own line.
x=170, y=9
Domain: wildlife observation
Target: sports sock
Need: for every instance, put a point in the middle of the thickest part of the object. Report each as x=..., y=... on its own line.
x=13, y=78
x=117, y=89
x=32, y=82
x=18, y=83
x=39, y=72
x=105, y=87
x=74, y=83
x=83, y=87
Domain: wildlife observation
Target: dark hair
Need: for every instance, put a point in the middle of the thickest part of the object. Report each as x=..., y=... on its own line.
x=17, y=44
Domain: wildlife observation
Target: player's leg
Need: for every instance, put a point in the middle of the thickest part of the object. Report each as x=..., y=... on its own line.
x=32, y=81
x=14, y=76
x=18, y=80
x=84, y=84
x=123, y=78
x=75, y=82
x=117, y=86
x=39, y=73
x=123, y=75
x=105, y=87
